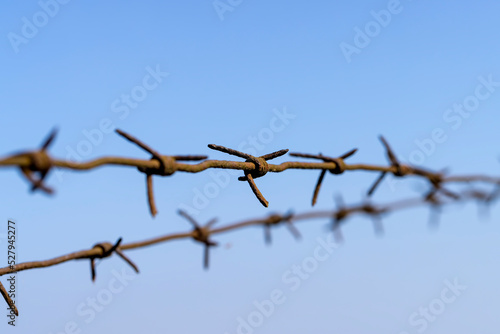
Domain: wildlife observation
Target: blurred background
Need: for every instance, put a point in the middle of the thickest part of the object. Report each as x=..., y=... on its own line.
x=256, y=76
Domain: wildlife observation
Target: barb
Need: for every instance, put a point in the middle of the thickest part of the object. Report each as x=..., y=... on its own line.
x=7, y=298
x=39, y=162
x=276, y=219
x=400, y=170
x=35, y=165
x=339, y=168
x=202, y=234
x=261, y=167
x=167, y=166
x=106, y=250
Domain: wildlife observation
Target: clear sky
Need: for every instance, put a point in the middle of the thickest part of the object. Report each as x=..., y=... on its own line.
x=324, y=76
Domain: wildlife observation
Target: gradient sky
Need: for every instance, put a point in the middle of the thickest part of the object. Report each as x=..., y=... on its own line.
x=344, y=72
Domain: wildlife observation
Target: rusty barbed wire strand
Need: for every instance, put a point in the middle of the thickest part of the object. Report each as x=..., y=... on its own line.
x=36, y=165
x=39, y=162
x=339, y=169
x=167, y=166
x=202, y=234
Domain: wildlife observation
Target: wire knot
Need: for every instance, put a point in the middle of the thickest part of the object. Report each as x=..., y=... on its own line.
x=276, y=219
x=339, y=168
x=400, y=170
x=107, y=249
x=39, y=163
x=261, y=167
x=168, y=166
x=201, y=234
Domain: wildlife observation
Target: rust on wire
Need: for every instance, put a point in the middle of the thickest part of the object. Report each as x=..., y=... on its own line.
x=339, y=167
x=261, y=167
x=35, y=166
x=167, y=166
x=106, y=250
x=201, y=234
x=399, y=169
x=40, y=163
x=276, y=219
x=9, y=301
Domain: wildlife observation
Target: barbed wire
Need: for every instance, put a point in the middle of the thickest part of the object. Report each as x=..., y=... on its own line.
x=35, y=166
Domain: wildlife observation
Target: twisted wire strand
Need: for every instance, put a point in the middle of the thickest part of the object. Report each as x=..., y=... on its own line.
x=35, y=166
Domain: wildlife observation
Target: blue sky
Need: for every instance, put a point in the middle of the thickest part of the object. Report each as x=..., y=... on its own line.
x=311, y=77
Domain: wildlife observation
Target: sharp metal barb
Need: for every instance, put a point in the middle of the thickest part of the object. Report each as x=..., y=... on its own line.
x=189, y=218
x=318, y=186
x=274, y=155
x=126, y=259
x=116, y=245
x=229, y=151
x=92, y=269
x=7, y=298
x=256, y=190
x=139, y=143
x=211, y=223
x=35, y=166
x=36, y=184
x=338, y=170
x=306, y=155
x=295, y=232
x=49, y=139
x=190, y=157
x=390, y=154
x=151, y=196
x=348, y=154
x=376, y=183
